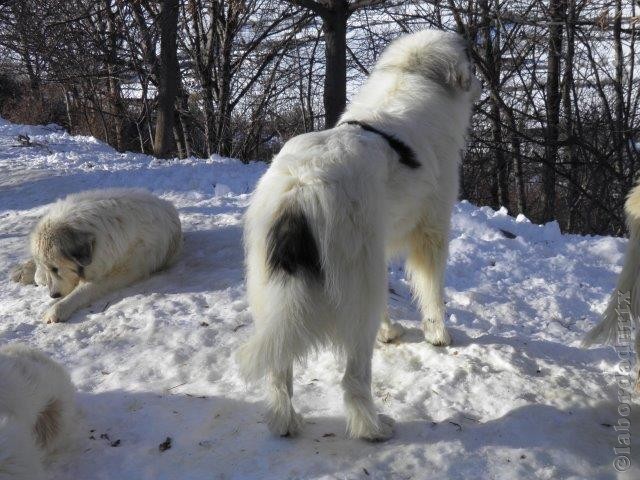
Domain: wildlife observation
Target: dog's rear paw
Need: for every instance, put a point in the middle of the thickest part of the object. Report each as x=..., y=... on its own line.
x=389, y=332
x=380, y=432
x=25, y=273
x=436, y=333
x=285, y=425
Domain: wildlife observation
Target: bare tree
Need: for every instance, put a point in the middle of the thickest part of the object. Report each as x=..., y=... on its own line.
x=164, y=144
x=555, y=134
x=557, y=9
x=334, y=15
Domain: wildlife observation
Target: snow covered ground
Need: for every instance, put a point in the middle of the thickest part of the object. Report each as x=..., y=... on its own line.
x=513, y=397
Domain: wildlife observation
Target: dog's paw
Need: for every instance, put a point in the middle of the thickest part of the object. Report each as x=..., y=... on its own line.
x=389, y=332
x=285, y=425
x=383, y=430
x=386, y=429
x=25, y=273
x=54, y=315
x=436, y=333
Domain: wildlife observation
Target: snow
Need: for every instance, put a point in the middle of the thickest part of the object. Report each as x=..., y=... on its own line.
x=513, y=397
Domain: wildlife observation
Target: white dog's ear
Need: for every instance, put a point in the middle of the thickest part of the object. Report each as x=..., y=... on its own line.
x=76, y=245
x=460, y=75
x=457, y=74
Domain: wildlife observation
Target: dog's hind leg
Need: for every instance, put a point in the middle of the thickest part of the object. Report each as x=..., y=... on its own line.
x=363, y=421
x=269, y=355
x=282, y=419
x=426, y=263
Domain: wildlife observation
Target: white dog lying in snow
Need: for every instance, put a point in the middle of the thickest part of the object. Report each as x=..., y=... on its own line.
x=623, y=310
x=91, y=243
x=334, y=205
x=38, y=415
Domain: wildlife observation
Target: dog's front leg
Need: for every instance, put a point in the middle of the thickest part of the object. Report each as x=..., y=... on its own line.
x=389, y=331
x=425, y=264
x=85, y=294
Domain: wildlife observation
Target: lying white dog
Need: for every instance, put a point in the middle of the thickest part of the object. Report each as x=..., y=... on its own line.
x=91, y=243
x=623, y=309
x=332, y=208
x=38, y=414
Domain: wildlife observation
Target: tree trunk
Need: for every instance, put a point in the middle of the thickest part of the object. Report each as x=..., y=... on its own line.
x=164, y=143
x=209, y=119
x=67, y=105
x=223, y=130
x=115, y=97
x=619, y=128
x=334, y=26
x=225, y=138
x=178, y=137
x=554, y=51
x=632, y=147
x=516, y=152
x=183, y=119
x=140, y=137
x=492, y=54
x=567, y=86
x=146, y=115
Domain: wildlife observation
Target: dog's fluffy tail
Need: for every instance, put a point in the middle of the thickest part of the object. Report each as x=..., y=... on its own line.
x=624, y=305
x=291, y=247
x=278, y=342
x=292, y=260
x=264, y=352
x=20, y=458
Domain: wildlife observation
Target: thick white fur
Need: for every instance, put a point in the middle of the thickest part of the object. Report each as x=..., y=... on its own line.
x=362, y=206
x=610, y=329
x=38, y=414
x=133, y=235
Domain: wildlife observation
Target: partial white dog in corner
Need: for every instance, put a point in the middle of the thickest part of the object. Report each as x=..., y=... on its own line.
x=623, y=310
x=38, y=414
x=92, y=243
x=335, y=205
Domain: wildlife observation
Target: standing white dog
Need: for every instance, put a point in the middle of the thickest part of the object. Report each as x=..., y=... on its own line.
x=332, y=208
x=91, y=243
x=38, y=414
x=623, y=309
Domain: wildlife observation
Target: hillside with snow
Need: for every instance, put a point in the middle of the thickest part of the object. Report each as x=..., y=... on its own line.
x=514, y=396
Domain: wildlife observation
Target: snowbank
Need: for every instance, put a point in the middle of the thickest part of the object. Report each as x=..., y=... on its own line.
x=513, y=397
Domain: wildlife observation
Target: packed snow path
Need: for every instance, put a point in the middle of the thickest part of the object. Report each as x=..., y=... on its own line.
x=513, y=397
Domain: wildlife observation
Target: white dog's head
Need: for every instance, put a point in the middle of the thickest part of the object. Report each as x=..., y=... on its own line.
x=440, y=56
x=61, y=253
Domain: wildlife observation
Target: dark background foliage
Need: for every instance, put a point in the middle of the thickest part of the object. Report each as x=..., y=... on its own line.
x=554, y=136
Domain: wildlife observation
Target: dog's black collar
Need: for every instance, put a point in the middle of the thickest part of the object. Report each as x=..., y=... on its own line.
x=406, y=153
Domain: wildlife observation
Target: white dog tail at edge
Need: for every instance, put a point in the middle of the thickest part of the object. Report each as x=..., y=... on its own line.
x=625, y=300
